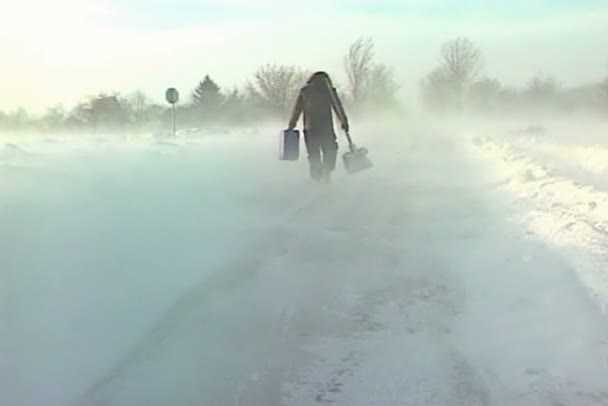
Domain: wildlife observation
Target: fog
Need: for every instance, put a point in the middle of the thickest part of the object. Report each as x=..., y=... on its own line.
x=141, y=267
x=201, y=269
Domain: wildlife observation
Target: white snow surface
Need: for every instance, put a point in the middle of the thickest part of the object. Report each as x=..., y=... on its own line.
x=560, y=181
x=203, y=271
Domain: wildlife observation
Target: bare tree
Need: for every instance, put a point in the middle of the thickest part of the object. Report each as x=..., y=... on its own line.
x=140, y=102
x=542, y=93
x=485, y=94
x=604, y=87
x=382, y=88
x=18, y=118
x=604, y=90
x=81, y=114
x=540, y=89
x=54, y=117
x=369, y=84
x=276, y=87
x=136, y=104
x=462, y=60
x=437, y=91
x=102, y=111
x=359, y=64
x=234, y=107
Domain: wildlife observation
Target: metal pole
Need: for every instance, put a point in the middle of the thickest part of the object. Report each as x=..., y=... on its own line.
x=173, y=108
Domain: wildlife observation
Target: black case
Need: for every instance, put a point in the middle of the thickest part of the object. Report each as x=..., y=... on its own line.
x=289, y=145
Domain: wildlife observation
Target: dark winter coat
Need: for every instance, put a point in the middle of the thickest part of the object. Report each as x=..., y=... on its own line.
x=315, y=102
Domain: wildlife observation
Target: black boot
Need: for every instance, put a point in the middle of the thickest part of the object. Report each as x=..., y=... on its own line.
x=326, y=177
x=316, y=172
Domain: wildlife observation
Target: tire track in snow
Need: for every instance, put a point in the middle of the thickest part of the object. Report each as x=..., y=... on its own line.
x=242, y=269
x=411, y=310
x=372, y=251
x=337, y=335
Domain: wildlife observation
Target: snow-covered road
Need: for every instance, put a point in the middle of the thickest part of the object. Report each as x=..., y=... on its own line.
x=211, y=274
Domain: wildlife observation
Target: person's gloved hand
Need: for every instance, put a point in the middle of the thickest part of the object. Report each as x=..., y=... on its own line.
x=345, y=127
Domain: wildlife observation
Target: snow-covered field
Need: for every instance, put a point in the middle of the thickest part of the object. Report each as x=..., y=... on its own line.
x=560, y=180
x=202, y=271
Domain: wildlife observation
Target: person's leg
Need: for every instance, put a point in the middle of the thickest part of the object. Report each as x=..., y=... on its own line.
x=330, y=153
x=313, y=148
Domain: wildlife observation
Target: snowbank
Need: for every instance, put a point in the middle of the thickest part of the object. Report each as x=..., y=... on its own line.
x=568, y=215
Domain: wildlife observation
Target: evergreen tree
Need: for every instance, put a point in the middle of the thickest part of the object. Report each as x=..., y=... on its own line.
x=234, y=107
x=207, y=100
x=207, y=94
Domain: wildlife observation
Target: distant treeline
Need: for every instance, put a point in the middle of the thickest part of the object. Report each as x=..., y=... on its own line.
x=270, y=93
x=457, y=85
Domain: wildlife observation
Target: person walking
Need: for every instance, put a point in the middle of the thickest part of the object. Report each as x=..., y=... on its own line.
x=315, y=103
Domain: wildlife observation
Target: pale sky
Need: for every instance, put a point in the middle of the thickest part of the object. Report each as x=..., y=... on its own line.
x=60, y=51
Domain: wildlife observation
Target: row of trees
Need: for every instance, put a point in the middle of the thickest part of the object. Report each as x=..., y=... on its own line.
x=369, y=86
x=270, y=93
x=107, y=111
x=458, y=84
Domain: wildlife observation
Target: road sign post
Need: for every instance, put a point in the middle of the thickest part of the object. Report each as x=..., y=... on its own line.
x=172, y=96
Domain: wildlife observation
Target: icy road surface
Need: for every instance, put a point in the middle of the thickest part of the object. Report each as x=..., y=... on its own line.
x=207, y=273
